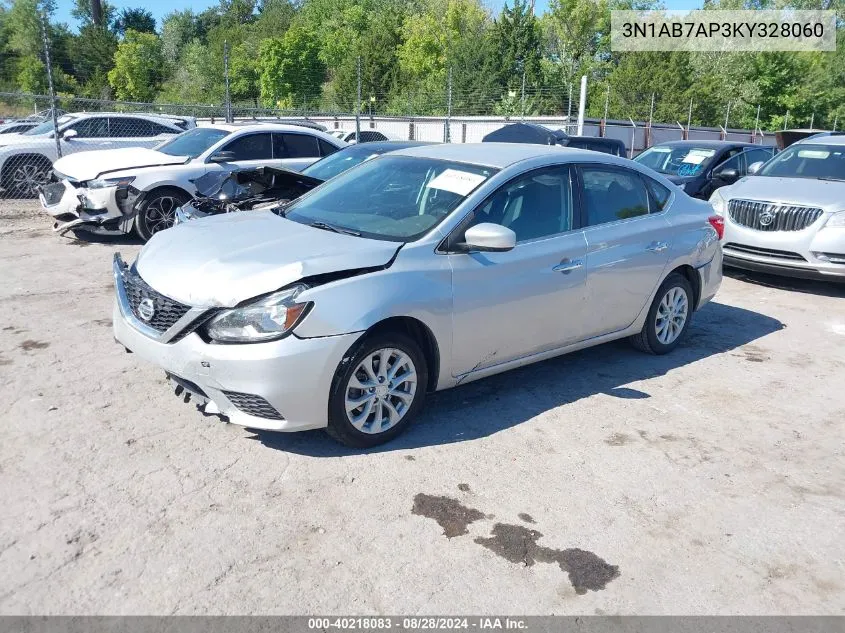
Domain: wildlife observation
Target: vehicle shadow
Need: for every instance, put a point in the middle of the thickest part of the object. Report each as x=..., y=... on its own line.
x=790, y=284
x=92, y=238
x=485, y=407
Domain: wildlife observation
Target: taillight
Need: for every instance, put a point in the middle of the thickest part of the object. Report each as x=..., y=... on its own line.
x=718, y=223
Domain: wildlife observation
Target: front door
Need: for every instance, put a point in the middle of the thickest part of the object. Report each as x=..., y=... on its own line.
x=530, y=299
x=628, y=245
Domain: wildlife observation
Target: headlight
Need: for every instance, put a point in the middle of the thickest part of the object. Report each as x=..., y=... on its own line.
x=837, y=220
x=718, y=203
x=102, y=183
x=270, y=318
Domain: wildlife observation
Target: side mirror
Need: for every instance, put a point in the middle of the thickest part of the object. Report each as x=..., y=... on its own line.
x=222, y=157
x=488, y=237
x=69, y=134
x=726, y=175
x=753, y=168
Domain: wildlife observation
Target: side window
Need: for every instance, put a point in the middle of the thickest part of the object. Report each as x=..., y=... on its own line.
x=611, y=195
x=250, y=147
x=295, y=146
x=157, y=129
x=659, y=193
x=537, y=204
x=368, y=136
x=757, y=155
x=127, y=127
x=326, y=148
x=735, y=162
x=95, y=127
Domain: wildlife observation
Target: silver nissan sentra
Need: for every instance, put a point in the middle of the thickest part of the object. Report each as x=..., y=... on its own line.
x=414, y=272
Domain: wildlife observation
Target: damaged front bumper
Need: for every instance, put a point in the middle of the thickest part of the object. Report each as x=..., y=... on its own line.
x=106, y=211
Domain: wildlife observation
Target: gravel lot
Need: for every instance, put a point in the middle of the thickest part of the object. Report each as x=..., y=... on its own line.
x=708, y=481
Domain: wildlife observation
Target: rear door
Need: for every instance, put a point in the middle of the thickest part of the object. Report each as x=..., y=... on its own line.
x=295, y=151
x=527, y=300
x=628, y=244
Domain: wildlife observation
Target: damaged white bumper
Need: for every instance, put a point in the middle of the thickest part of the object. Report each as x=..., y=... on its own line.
x=108, y=210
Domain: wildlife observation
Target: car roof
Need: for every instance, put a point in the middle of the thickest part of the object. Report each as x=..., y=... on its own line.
x=833, y=139
x=385, y=146
x=709, y=143
x=500, y=155
x=262, y=126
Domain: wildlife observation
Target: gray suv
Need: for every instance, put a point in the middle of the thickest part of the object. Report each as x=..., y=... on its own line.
x=788, y=218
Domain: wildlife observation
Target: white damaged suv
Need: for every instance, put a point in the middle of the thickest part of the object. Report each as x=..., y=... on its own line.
x=789, y=217
x=121, y=190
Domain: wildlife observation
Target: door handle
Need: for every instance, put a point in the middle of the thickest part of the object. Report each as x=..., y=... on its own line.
x=657, y=247
x=568, y=265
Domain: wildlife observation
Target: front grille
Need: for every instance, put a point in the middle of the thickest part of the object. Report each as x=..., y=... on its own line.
x=166, y=311
x=53, y=193
x=771, y=216
x=253, y=405
x=765, y=252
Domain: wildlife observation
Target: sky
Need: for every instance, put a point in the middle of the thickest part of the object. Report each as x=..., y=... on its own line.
x=160, y=8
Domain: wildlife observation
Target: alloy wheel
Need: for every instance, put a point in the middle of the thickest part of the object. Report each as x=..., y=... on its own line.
x=381, y=390
x=672, y=313
x=160, y=214
x=28, y=177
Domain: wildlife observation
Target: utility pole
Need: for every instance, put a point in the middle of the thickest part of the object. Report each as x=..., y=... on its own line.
x=229, y=118
x=358, y=105
x=582, y=105
x=44, y=26
x=448, y=131
x=523, y=95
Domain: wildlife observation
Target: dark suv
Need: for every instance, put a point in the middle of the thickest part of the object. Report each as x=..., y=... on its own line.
x=701, y=167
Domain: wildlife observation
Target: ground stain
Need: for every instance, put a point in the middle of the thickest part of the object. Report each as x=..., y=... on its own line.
x=29, y=344
x=463, y=487
x=103, y=322
x=618, y=439
x=754, y=354
x=450, y=514
x=79, y=243
x=524, y=516
x=518, y=544
x=410, y=458
x=4, y=361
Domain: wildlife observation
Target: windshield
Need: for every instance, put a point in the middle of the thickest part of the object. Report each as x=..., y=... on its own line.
x=192, y=143
x=824, y=162
x=396, y=198
x=677, y=161
x=336, y=163
x=47, y=126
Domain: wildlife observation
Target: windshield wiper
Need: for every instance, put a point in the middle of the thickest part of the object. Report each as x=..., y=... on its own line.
x=829, y=178
x=336, y=229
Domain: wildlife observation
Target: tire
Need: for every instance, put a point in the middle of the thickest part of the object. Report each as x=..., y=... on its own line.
x=663, y=329
x=403, y=356
x=158, y=212
x=23, y=176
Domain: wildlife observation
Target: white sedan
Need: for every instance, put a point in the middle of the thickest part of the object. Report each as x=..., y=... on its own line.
x=120, y=190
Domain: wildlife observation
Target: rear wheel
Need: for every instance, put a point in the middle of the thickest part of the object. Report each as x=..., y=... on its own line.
x=158, y=212
x=378, y=388
x=668, y=318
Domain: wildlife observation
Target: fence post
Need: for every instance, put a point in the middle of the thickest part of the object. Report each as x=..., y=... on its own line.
x=689, y=120
x=650, y=120
x=447, y=131
x=603, y=126
x=582, y=105
x=756, y=127
x=835, y=121
x=229, y=118
x=569, y=110
x=358, y=105
x=812, y=118
x=727, y=116
x=522, y=105
x=633, y=136
x=786, y=119
x=44, y=27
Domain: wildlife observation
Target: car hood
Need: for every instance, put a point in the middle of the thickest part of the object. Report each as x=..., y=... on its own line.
x=223, y=260
x=826, y=194
x=88, y=165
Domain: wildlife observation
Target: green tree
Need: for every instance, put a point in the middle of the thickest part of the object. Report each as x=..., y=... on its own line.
x=92, y=53
x=138, y=63
x=290, y=69
x=139, y=20
x=517, y=38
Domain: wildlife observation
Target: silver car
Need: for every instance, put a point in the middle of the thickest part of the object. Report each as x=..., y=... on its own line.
x=416, y=271
x=789, y=217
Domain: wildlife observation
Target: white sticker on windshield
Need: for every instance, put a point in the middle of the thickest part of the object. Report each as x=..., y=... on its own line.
x=459, y=182
x=813, y=153
x=698, y=156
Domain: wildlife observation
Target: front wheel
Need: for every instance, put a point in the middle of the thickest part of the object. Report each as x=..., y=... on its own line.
x=27, y=175
x=378, y=388
x=668, y=318
x=158, y=212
